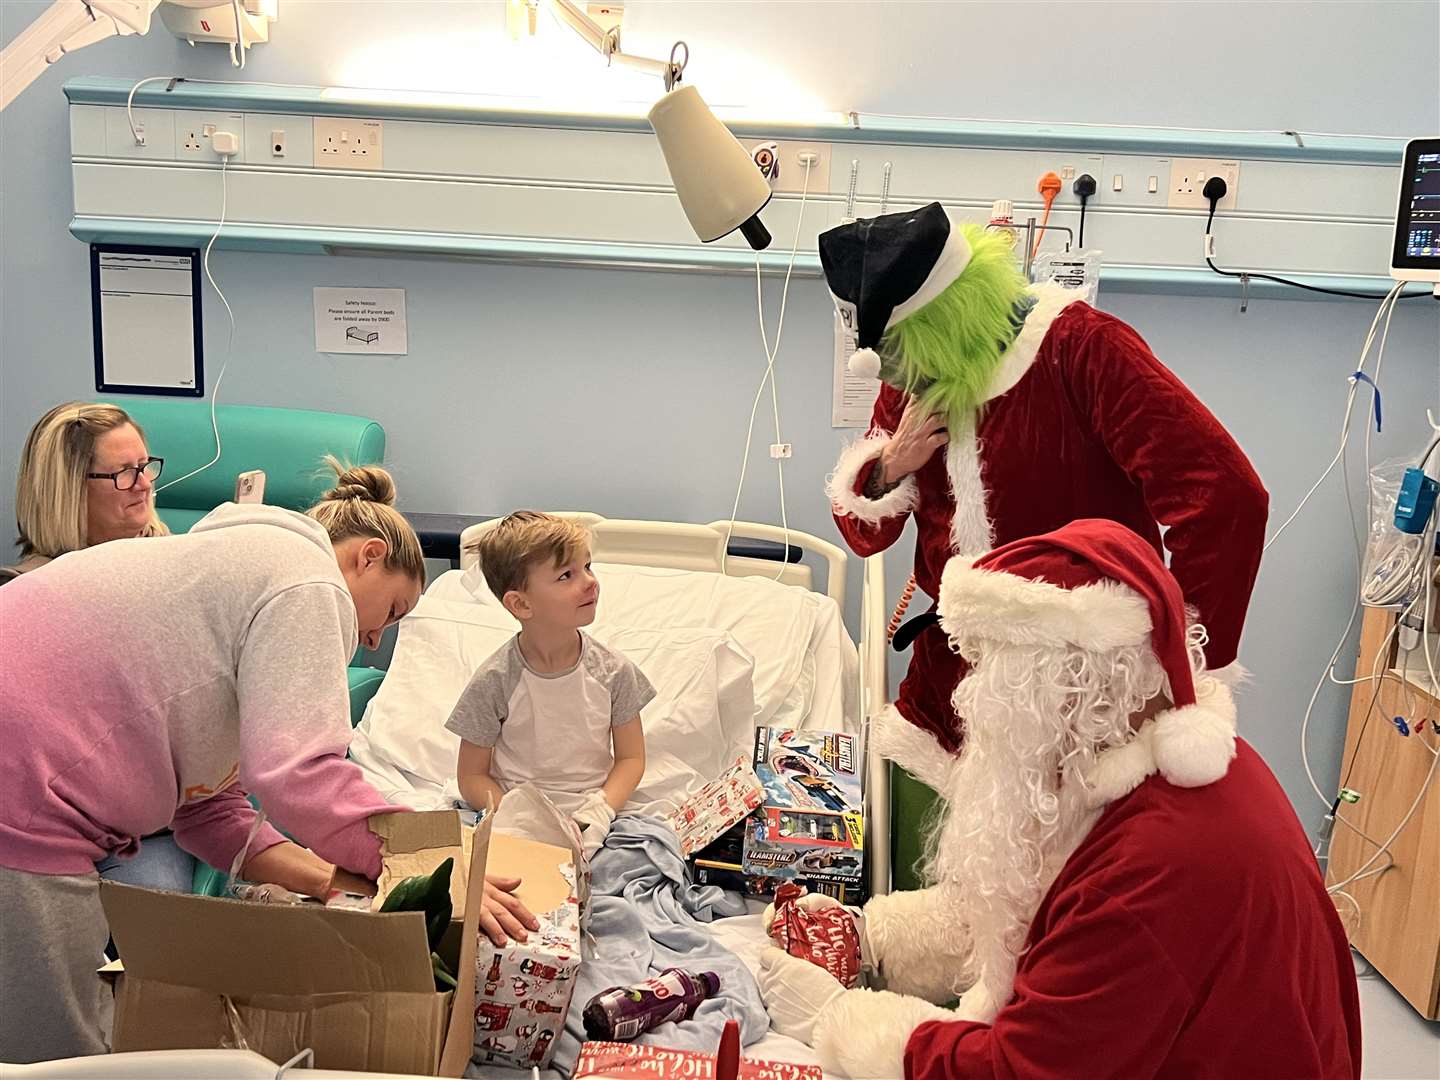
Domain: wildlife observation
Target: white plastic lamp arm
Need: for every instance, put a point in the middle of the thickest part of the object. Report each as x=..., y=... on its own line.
x=67, y=25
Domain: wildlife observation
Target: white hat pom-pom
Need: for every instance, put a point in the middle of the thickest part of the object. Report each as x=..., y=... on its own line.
x=865, y=364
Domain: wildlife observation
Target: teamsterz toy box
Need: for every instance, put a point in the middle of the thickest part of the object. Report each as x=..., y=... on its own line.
x=811, y=827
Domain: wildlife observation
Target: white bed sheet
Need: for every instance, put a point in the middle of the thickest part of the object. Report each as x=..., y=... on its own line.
x=745, y=937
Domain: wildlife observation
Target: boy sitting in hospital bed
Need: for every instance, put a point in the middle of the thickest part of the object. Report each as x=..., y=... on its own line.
x=552, y=706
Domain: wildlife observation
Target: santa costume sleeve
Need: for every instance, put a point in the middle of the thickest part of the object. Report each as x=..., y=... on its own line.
x=871, y=525
x=1102, y=993
x=1194, y=478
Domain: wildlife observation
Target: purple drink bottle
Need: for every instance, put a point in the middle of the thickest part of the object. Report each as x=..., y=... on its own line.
x=625, y=1012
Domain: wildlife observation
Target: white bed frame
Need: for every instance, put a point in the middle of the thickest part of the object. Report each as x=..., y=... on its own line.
x=682, y=546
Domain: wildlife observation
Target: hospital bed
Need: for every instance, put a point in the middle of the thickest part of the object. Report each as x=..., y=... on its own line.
x=655, y=576
x=665, y=586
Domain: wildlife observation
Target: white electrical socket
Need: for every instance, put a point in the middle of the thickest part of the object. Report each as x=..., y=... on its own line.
x=195, y=130
x=1187, y=182
x=277, y=143
x=342, y=142
x=793, y=156
x=780, y=450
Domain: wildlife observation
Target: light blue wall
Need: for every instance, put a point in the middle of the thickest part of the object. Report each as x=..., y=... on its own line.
x=627, y=393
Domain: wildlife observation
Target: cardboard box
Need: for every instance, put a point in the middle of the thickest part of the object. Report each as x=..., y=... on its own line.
x=811, y=827
x=627, y=1061
x=718, y=805
x=522, y=992
x=354, y=986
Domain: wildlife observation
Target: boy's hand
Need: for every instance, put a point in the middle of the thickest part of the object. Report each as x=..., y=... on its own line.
x=504, y=918
x=594, y=817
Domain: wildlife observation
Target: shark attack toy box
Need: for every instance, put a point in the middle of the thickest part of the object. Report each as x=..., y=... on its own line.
x=811, y=826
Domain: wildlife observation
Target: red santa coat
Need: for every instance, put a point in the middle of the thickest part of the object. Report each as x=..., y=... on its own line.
x=1081, y=421
x=1188, y=936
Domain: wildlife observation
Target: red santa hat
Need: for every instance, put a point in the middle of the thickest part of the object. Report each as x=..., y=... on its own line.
x=1096, y=585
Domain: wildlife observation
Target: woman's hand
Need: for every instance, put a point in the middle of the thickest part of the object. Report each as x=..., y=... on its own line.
x=918, y=435
x=504, y=918
x=292, y=867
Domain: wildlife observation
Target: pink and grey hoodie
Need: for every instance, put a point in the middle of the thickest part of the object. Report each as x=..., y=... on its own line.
x=152, y=683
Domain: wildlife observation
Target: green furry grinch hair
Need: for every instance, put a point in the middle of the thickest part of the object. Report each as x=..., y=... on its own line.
x=947, y=352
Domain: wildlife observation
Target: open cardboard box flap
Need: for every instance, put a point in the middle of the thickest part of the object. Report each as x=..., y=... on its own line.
x=242, y=950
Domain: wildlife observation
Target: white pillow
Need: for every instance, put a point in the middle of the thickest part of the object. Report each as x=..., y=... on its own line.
x=702, y=716
x=777, y=625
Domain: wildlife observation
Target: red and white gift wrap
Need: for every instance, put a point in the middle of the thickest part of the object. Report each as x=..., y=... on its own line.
x=718, y=805
x=826, y=938
x=628, y=1061
x=522, y=992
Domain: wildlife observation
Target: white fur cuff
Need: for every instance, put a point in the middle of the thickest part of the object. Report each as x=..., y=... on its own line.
x=912, y=748
x=841, y=485
x=863, y=1033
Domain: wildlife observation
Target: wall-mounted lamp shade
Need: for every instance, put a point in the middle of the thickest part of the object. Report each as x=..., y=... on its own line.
x=720, y=188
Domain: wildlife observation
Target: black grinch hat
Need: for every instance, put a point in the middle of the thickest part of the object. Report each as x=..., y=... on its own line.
x=884, y=269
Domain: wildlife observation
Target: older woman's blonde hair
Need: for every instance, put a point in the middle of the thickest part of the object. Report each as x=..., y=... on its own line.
x=51, y=490
x=361, y=504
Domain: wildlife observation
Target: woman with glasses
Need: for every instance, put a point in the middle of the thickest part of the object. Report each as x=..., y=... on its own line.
x=86, y=476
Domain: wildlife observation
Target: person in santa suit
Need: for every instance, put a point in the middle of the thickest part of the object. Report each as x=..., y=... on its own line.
x=1007, y=411
x=1140, y=899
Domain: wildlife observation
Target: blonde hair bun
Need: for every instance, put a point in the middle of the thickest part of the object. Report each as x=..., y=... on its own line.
x=369, y=483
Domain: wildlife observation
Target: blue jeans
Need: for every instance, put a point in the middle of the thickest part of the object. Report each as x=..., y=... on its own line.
x=160, y=864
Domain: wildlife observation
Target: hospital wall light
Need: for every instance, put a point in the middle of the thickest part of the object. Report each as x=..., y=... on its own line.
x=719, y=186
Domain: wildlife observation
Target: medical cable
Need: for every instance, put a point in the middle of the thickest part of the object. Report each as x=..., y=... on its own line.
x=239, y=37
x=1427, y=597
x=1386, y=308
x=230, y=340
x=1375, y=325
x=1048, y=188
x=130, y=102
x=1260, y=276
x=769, y=376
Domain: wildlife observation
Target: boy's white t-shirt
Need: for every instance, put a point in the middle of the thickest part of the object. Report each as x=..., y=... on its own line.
x=550, y=729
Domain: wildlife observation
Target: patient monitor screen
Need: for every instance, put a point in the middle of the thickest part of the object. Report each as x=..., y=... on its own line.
x=1417, y=230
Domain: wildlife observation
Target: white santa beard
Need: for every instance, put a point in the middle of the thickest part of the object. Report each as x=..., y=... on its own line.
x=1036, y=718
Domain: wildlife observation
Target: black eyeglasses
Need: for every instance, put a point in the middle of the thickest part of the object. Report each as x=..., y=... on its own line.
x=125, y=479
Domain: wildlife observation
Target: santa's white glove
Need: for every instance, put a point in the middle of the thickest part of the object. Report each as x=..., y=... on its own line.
x=595, y=816
x=795, y=992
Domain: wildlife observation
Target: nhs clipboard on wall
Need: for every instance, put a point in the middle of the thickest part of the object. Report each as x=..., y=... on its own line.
x=145, y=308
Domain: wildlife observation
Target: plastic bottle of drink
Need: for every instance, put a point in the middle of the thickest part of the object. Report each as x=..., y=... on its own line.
x=625, y=1012
x=1002, y=220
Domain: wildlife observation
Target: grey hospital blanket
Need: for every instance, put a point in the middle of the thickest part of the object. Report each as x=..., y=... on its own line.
x=643, y=918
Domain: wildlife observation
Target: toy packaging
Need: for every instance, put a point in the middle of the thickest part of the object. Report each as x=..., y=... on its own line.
x=718, y=806
x=811, y=826
x=627, y=1061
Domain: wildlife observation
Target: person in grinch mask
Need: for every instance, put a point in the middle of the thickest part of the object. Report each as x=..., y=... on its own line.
x=1008, y=411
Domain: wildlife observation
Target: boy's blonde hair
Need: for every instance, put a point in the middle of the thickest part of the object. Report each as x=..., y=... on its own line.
x=522, y=541
x=362, y=504
x=51, y=490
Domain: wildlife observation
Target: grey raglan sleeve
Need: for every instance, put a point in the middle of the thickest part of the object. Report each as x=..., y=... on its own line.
x=630, y=691
x=485, y=702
